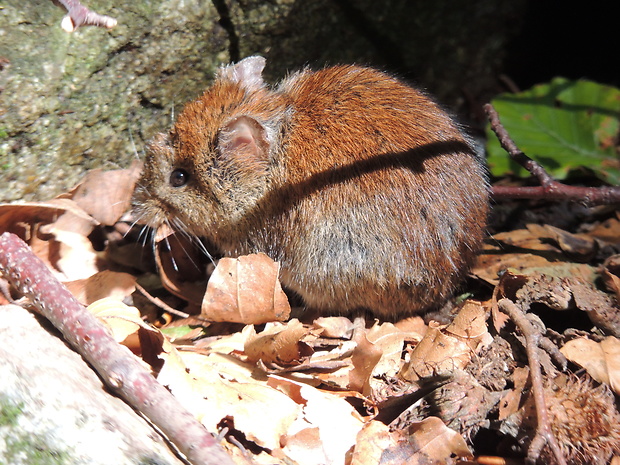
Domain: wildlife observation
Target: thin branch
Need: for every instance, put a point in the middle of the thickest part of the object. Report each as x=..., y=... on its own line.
x=549, y=188
x=544, y=434
x=167, y=308
x=79, y=15
x=117, y=366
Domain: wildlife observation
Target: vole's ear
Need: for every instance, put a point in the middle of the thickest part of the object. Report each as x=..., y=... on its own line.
x=248, y=72
x=244, y=146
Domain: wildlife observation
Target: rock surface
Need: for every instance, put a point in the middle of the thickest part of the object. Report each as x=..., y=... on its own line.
x=55, y=410
x=70, y=102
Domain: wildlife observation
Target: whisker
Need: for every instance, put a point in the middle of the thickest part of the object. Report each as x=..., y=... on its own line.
x=195, y=240
x=133, y=145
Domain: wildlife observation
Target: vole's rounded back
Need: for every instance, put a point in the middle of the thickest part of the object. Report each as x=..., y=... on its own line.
x=361, y=186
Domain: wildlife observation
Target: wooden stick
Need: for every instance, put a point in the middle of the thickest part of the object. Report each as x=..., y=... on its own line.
x=549, y=188
x=117, y=366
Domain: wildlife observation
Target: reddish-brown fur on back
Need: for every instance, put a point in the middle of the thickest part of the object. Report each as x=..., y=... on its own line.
x=363, y=188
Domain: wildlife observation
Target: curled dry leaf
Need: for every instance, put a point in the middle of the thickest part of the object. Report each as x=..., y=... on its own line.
x=391, y=341
x=104, y=284
x=246, y=290
x=57, y=232
x=576, y=245
x=180, y=265
x=20, y=218
x=365, y=358
x=73, y=254
x=217, y=386
x=277, y=343
x=600, y=359
x=611, y=275
x=334, y=326
x=427, y=442
x=329, y=422
x=122, y=320
x=447, y=348
x=106, y=195
x=523, y=250
x=510, y=403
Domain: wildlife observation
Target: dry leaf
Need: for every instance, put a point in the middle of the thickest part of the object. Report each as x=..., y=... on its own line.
x=433, y=442
x=180, y=266
x=423, y=443
x=510, y=403
x=525, y=252
x=371, y=441
x=334, y=326
x=611, y=275
x=390, y=340
x=277, y=343
x=448, y=348
x=470, y=324
x=15, y=217
x=57, y=232
x=104, y=284
x=246, y=290
x=608, y=231
x=600, y=359
x=122, y=320
x=106, y=195
x=335, y=419
x=76, y=257
x=365, y=357
x=579, y=245
x=217, y=386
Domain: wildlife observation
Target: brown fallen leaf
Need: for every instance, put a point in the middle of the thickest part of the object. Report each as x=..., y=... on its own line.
x=391, y=341
x=180, y=266
x=217, y=386
x=104, y=284
x=511, y=402
x=525, y=252
x=611, y=274
x=278, y=343
x=374, y=438
x=427, y=442
x=365, y=358
x=57, y=232
x=20, y=218
x=601, y=308
x=600, y=359
x=106, y=195
x=334, y=326
x=332, y=421
x=448, y=347
x=580, y=246
x=123, y=321
x=245, y=290
x=607, y=232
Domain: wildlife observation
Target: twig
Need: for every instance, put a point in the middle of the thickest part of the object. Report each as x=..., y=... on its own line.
x=544, y=434
x=116, y=365
x=167, y=308
x=549, y=188
x=79, y=15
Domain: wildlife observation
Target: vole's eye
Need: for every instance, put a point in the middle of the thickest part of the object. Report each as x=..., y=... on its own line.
x=179, y=177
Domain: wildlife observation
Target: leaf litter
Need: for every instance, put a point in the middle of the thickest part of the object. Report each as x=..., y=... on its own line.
x=286, y=386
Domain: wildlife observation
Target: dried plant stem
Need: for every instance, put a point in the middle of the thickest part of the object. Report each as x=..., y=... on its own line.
x=79, y=15
x=549, y=188
x=544, y=434
x=167, y=308
x=116, y=365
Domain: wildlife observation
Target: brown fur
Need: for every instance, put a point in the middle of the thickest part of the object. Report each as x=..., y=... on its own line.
x=361, y=186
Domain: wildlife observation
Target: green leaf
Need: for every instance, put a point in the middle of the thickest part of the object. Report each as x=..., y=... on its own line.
x=564, y=125
x=177, y=332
